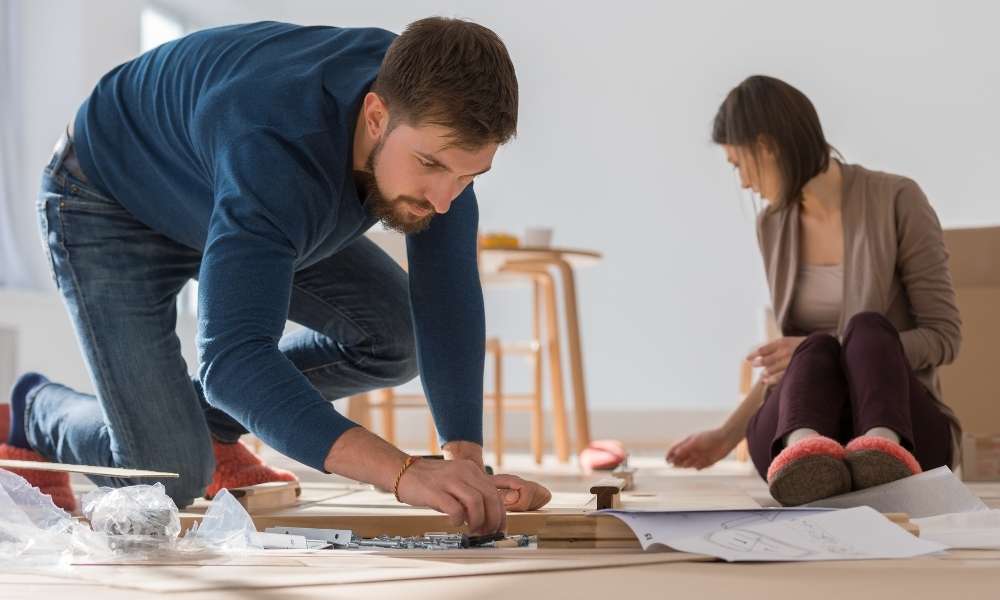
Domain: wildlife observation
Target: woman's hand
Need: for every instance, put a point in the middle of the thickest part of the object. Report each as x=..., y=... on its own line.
x=701, y=450
x=774, y=357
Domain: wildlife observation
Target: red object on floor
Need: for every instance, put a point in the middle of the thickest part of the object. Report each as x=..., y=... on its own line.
x=803, y=448
x=53, y=483
x=602, y=455
x=237, y=466
x=4, y=421
x=880, y=444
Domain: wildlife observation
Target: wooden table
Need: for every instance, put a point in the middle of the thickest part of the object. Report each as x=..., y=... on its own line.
x=532, y=260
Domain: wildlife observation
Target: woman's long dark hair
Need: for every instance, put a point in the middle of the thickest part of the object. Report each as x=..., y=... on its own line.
x=766, y=110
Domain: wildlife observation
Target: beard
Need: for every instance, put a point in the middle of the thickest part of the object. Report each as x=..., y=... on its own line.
x=392, y=213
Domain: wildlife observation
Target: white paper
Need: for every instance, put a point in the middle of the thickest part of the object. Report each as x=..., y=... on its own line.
x=971, y=530
x=779, y=535
x=851, y=534
x=661, y=527
x=926, y=494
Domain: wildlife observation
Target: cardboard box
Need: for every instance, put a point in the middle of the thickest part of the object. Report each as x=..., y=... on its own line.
x=980, y=457
x=971, y=386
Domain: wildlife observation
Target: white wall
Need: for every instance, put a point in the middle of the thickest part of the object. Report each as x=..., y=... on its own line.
x=65, y=46
x=617, y=100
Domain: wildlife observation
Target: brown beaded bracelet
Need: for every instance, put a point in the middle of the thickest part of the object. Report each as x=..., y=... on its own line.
x=406, y=465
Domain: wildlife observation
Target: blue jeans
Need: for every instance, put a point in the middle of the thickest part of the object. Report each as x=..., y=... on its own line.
x=119, y=280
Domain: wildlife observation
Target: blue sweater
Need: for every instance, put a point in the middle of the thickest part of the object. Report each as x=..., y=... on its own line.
x=237, y=141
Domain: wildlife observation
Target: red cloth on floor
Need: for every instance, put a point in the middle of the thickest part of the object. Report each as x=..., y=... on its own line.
x=53, y=483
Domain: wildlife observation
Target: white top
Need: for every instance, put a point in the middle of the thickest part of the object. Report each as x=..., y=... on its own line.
x=819, y=298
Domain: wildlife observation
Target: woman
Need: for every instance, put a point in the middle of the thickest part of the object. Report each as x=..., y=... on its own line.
x=858, y=274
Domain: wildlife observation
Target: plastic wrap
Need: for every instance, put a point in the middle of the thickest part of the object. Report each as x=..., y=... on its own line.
x=34, y=532
x=226, y=527
x=138, y=520
x=126, y=524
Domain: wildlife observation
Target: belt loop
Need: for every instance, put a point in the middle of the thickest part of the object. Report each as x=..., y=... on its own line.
x=63, y=146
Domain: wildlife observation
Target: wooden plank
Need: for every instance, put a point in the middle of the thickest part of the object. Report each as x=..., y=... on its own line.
x=268, y=496
x=392, y=522
x=30, y=465
x=574, y=544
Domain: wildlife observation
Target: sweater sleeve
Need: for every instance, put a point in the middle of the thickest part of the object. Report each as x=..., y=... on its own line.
x=922, y=261
x=449, y=319
x=260, y=226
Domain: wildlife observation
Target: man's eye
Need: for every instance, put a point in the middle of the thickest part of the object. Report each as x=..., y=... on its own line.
x=426, y=164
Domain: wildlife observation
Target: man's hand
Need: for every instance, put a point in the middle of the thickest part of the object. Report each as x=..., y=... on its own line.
x=458, y=488
x=774, y=357
x=519, y=495
x=459, y=450
x=701, y=450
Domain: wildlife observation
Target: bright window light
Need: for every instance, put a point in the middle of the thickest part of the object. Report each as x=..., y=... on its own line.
x=158, y=27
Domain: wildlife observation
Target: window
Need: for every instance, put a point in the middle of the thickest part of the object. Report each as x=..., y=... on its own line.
x=157, y=27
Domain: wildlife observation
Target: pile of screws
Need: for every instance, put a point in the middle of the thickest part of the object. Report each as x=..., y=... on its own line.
x=438, y=541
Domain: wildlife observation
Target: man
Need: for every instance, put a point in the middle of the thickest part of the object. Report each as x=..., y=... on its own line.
x=253, y=158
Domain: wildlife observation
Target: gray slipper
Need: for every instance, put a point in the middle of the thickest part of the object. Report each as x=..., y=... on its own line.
x=874, y=461
x=810, y=478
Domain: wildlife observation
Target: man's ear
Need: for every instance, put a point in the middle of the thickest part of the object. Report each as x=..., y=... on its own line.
x=376, y=115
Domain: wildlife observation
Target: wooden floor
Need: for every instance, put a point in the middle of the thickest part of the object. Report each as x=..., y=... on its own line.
x=531, y=573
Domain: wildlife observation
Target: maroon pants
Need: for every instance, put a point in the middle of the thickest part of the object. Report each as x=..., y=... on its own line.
x=843, y=390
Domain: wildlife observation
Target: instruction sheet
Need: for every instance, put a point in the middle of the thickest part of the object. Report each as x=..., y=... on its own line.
x=778, y=534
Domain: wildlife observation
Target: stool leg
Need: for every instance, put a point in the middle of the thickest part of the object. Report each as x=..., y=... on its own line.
x=560, y=430
x=387, y=406
x=432, y=436
x=538, y=413
x=497, y=401
x=746, y=382
x=574, y=345
x=359, y=411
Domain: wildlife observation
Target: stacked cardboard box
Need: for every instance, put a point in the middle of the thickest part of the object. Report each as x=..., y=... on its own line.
x=972, y=384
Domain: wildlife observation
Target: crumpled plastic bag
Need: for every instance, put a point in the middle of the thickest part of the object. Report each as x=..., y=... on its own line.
x=226, y=527
x=34, y=532
x=127, y=524
x=137, y=520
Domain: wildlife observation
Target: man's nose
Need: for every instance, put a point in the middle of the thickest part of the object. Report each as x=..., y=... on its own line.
x=442, y=195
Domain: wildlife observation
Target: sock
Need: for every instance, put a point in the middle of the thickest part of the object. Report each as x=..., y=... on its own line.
x=799, y=435
x=884, y=432
x=25, y=384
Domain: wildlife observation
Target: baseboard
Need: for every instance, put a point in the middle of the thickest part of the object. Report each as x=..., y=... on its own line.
x=651, y=430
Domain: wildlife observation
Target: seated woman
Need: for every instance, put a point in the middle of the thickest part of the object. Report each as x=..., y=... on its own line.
x=858, y=275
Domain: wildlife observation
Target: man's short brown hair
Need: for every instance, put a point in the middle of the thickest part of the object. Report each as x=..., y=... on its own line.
x=451, y=73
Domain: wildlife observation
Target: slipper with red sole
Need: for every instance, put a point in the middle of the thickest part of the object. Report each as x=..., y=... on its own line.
x=874, y=460
x=237, y=466
x=809, y=470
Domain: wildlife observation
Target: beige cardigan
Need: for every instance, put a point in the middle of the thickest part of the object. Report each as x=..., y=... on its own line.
x=895, y=264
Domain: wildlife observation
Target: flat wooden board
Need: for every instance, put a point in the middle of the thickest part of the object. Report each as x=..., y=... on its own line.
x=340, y=567
x=30, y=465
x=617, y=573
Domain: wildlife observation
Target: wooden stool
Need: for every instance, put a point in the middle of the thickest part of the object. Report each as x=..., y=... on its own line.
x=544, y=310
x=386, y=401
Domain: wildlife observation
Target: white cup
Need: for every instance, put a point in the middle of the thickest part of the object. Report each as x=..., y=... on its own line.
x=537, y=237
